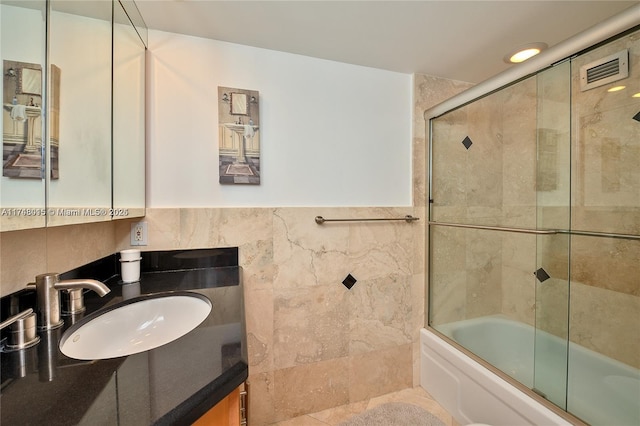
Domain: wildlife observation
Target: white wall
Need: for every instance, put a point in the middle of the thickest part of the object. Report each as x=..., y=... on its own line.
x=332, y=134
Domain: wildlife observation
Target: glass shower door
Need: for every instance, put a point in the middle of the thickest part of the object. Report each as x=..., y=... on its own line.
x=500, y=188
x=604, y=349
x=498, y=183
x=553, y=197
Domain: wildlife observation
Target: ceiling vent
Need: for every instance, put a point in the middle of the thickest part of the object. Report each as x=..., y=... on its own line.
x=606, y=70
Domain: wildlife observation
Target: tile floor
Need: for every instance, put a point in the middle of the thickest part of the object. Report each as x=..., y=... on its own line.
x=333, y=416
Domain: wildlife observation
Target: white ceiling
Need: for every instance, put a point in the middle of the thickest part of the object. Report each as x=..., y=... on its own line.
x=459, y=40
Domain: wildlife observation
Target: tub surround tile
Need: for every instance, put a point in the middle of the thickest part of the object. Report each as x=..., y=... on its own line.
x=610, y=264
x=420, y=162
x=428, y=91
x=601, y=319
x=606, y=165
x=518, y=294
x=552, y=307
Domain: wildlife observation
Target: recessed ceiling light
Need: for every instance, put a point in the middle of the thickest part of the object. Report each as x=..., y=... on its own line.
x=636, y=95
x=616, y=88
x=523, y=53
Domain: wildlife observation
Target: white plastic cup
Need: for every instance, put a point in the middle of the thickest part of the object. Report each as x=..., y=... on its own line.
x=130, y=254
x=130, y=265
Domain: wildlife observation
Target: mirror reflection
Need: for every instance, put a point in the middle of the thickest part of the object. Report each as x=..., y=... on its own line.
x=22, y=134
x=128, y=112
x=80, y=48
x=22, y=185
x=73, y=120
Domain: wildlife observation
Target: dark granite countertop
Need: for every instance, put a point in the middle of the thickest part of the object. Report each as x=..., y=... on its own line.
x=172, y=384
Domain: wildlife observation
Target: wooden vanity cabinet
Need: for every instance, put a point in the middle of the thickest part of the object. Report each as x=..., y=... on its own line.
x=231, y=411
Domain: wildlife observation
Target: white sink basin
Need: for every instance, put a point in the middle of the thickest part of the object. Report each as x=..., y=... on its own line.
x=135, y=325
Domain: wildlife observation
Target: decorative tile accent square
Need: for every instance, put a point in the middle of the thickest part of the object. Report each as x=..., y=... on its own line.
x=542, y=275
x=637, y=117
x=467, y=142
x=349, y=281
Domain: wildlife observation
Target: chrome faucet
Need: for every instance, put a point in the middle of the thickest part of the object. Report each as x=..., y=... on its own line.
x=48, y=288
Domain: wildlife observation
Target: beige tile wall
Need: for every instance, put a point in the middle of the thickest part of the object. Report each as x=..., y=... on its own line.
x=313, y=344
x=27, y=253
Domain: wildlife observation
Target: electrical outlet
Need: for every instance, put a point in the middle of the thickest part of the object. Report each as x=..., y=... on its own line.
x=139, y=234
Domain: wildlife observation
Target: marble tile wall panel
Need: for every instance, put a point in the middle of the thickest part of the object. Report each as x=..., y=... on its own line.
x=606, y=189
x=428, y=91
x=553, y=154
x=605, y=296
x=608, y=263
x=310, y=325
x=379, y=372
x=450, y=166
x=484, y=270
x=308, y=388
x=606, y=321
x=379, y=309
x=484, y=160
x=70, y=246
x=518, y=281
x=518, y=137
x=27, y=253
x=23, y=255
x=448, y=296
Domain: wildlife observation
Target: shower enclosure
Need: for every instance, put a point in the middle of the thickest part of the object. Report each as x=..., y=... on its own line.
x=534, y=236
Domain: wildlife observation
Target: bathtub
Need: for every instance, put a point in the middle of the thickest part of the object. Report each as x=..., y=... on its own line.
x=602, y=391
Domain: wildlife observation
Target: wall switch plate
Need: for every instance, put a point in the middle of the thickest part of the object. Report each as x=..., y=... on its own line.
x=139, y=234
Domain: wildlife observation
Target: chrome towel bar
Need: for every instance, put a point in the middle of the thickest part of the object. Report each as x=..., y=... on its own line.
x=408, y=218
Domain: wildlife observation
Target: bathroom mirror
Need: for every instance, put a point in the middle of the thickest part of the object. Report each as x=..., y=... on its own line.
x=84, y=160
x=23, y=54
x=129, y=53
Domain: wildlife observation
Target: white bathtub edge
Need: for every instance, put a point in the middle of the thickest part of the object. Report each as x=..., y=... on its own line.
x=472, y=393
